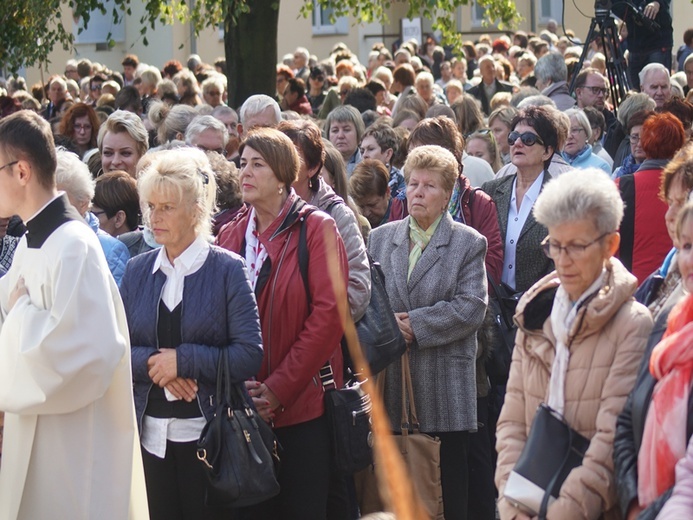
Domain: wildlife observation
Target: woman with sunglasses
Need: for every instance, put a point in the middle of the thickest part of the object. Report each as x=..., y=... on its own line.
x=533, y=140
x=316, y=91
x=581, y=337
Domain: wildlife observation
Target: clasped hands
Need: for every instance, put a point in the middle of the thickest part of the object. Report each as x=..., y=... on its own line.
x=405, y=326
x=163, y=371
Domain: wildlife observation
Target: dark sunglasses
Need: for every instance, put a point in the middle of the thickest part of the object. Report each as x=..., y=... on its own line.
x=528, y=138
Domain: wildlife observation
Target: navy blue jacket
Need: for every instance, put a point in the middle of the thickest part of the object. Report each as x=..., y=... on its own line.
x=218, y=311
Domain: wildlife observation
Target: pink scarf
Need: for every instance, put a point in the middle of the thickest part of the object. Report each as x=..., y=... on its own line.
x=664, y=438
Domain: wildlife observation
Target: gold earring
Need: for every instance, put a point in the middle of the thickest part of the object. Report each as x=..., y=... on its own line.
x=281, y=190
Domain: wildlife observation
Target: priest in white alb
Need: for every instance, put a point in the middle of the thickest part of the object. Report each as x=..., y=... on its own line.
x=70, y=445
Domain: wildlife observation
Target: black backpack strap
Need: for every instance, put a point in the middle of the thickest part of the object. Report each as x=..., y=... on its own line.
x=303, y=258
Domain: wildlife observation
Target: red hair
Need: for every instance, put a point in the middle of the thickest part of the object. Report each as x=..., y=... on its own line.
x=662, y=136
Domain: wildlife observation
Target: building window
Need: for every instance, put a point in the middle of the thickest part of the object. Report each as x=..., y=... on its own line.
x=322, y=23
x=100, y=27
x=477, y=17
x=551, y=10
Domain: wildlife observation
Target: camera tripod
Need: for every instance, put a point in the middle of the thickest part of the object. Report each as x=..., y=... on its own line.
x=604, y=27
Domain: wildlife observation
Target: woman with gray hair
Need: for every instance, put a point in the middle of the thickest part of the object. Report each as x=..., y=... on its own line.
x=185, y=303
x=580, y=340
x=436, y=280
x=345, y=129
x=122, y=141
x=72, y=176
x=577, y=151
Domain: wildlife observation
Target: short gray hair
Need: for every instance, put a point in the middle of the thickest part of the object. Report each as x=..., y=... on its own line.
x=223, y=110
x=649, y=68
x=634, y=102
x=538, y=100
x=256, y=104
x=551, y=67
x=582, y=120
x=73, y=177
x=581, y=194
x=201, y=124
x=346, y=114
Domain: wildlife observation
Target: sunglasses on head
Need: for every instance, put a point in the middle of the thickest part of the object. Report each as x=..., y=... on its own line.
x=528, y=138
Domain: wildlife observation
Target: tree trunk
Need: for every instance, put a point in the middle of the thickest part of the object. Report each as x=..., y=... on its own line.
x=251, y=50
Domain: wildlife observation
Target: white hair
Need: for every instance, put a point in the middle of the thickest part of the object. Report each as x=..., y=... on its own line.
x=258, y=103
x=578, y=195
x=582, y=120
x=203, y=123
x=649, y=68
x=538, y=100
x=72, y=176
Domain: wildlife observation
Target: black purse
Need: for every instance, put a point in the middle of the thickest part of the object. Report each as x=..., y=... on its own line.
x=381, y=340
x=501, y=307
x=553, y=449
x=348, y=412
x=238, y=449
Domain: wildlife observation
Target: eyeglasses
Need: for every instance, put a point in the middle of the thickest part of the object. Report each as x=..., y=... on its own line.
x=96, y=87
x=577, y=130
x=70, y=71
x=634, y=138
x=528, y=138
x=8, y=165
x=83, y=128
x=574, y=251
x=597, y=90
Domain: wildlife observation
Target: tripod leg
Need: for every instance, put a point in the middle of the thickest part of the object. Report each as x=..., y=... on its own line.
x=590, y=36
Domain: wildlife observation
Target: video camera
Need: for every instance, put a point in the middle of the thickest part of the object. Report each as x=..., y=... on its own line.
x=602, y=9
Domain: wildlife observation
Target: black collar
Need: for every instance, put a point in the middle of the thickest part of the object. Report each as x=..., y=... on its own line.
x=48, y=220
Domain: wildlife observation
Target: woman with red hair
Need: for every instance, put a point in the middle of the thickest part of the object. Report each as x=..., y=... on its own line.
x=644, y=238
x=80, y=125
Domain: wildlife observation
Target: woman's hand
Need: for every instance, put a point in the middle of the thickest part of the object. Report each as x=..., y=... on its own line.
x=183, y=388
x=163, y=367
x=651, y=10
x=263, y=398
x=18, y=291
x=405, y=326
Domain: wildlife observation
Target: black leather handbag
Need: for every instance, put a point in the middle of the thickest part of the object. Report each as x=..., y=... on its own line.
x=553, y=449
x=238, y=449
x=348, y=412
x=501, y=307
x=378, y=333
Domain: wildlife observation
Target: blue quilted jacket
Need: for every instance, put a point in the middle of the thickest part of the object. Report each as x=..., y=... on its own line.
x=219, y=311
x=117, y=254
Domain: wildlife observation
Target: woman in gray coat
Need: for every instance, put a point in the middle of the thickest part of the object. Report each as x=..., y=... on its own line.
x=436, y=281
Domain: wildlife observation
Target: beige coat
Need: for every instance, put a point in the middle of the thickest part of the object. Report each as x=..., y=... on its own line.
x=606, y=345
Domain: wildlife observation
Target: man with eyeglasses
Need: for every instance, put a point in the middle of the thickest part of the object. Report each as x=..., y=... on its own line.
x=70, y=447
x=71, y=70
x=95, y=84
x=592, y=90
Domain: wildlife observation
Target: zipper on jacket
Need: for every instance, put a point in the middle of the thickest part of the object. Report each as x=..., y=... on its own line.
x=156, y=335
x=197, y=394
x=274, y=286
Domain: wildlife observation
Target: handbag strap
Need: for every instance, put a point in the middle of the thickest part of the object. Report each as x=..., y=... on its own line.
x=544, y=506
x=409, y=416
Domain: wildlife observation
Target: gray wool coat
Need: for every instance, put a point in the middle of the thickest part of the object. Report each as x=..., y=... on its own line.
x=446, y=299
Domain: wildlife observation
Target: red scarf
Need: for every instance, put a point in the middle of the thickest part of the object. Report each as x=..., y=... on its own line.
x=664, y=438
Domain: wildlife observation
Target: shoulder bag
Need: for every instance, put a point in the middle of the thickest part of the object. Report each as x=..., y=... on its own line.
x=238, y=449
x=553, y=449
x=421, y=454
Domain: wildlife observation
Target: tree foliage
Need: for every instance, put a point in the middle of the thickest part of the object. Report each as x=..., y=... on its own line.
x=31, y=29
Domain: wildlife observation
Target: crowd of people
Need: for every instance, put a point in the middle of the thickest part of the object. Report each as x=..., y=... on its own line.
x=470, y=178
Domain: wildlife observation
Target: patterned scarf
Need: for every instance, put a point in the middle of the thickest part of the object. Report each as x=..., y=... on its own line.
x=255, y=252
x=664, y=438
x=420, y=239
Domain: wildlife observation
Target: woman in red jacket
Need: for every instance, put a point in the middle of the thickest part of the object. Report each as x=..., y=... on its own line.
x=300, y=332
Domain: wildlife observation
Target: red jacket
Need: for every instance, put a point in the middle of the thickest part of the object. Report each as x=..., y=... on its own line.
x=297, y=340
x=479, y=212
x=645, y=241
x=302, y=106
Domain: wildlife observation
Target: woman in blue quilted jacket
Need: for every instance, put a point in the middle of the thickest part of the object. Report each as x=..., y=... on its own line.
x=185, y=302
